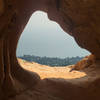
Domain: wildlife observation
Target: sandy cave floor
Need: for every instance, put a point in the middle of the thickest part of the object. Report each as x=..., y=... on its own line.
x=44, y=71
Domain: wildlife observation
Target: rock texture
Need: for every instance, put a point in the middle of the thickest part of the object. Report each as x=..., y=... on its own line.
x=79, y=18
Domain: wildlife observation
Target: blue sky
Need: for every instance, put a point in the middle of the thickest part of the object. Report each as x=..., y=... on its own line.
x=43, y=37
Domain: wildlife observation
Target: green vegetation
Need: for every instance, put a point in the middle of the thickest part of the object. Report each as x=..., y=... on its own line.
x=51, y=61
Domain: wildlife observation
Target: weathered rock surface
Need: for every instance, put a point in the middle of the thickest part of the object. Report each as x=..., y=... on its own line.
x=1, y=7
x=79, y=18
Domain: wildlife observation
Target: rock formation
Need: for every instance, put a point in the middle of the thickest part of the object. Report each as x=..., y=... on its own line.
x=79, y=18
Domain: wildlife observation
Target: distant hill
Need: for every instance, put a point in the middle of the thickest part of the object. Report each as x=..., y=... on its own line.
x=51, y=61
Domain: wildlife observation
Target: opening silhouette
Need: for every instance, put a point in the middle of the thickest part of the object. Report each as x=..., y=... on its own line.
x=45, y=38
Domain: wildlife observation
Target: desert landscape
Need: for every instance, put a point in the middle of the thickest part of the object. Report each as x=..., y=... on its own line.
x=51, y=72
x=65, y=72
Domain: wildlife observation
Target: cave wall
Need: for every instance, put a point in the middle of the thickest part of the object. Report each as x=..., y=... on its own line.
x=79, y=18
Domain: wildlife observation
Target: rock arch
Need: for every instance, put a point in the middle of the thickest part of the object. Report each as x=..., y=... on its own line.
x=78, y=18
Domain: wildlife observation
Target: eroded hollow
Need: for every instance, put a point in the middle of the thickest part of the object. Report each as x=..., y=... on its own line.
x=43, y=37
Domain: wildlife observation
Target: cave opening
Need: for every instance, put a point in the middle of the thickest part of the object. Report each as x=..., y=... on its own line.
x=44, y=82
x=43, y=39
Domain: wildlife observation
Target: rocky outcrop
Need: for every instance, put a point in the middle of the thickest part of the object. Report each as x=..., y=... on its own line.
x=79, y=18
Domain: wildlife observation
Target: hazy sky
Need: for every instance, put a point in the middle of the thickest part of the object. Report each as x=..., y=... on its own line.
x=43, y=37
